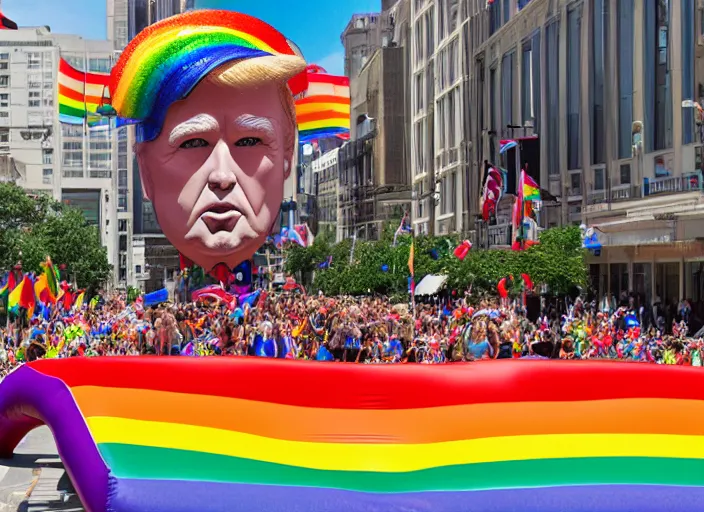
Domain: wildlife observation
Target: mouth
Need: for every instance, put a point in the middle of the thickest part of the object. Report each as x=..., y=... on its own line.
x=221, y=217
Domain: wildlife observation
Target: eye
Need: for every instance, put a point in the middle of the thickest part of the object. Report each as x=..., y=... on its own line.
x=194, y=143
x=248, y=141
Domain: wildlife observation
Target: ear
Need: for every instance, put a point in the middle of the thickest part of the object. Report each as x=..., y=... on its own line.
x=140, y=150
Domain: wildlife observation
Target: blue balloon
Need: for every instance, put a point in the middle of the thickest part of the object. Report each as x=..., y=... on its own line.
x=384, y=268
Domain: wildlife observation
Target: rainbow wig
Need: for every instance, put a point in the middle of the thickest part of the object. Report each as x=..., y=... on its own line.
x=167, y=60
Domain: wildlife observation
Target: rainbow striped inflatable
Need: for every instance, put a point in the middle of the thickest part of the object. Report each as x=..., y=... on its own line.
x=169, y=434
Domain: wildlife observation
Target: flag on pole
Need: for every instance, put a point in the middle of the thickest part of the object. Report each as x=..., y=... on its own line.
x=410, y=258
x=531, y=190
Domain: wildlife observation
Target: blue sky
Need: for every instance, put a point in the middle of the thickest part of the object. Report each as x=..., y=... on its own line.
x=314, y=25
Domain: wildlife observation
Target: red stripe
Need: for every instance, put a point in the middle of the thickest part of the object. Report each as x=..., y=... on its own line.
x=404, y=386
x=322, y=98
x=89, y=78
x=328, y=79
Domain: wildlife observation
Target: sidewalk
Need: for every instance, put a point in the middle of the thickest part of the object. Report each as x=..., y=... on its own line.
x=34, y=479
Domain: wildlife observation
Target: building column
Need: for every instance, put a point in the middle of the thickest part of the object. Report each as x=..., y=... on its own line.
x=562, y=81
x=675, y=35
x=682, y=267
x=639, y=84
x=585, y=117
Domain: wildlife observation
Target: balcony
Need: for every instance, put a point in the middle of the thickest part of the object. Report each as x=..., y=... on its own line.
x=689, y=182
x=499, y=235
x=616, y=194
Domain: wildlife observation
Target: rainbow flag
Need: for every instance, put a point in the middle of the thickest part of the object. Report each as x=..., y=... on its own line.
x=81, y=94
x=324, y=111
x=51, y=275
x=531, y=190
x=165, y=434
x=79, y=301
x=23, y=297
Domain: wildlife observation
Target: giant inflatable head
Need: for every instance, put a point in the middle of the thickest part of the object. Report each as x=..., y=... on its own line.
x=213, y=95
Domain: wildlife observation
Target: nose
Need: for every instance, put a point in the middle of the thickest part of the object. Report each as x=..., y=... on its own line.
x=223, y=176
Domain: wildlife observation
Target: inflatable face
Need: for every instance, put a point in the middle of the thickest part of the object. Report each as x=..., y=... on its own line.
x=213, y=95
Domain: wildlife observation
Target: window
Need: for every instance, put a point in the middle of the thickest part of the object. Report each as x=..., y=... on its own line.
x=4, y=56
x=34, y=60
x=599, y=178
x=99, y=65
x=574, y=74
x=597, y=74
x=47, y=176
x=658, y=77
x=418, y=81
x=4, y=100
x=4, y=65
x=625, y=76
x=688, y=44
x=100, y=161
x=448, y=192
x=34, y=99
x=527, y=112
x=552, y=73
x=4, y=135
x=34, y=80
x=4, y=81
x=575, y=183
x=73, y=159
x=430, y=31
x=138, y=269
x=72, y=130
x=625, y=172
x=507, y=67
x=47, y=156
x=122, y=225
x=100, y=145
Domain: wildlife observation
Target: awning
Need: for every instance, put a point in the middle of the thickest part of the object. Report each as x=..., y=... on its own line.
x=430, y=285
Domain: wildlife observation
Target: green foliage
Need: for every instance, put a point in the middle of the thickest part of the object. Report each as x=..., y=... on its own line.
x=558, y=262
x=37, y=227
x=132, y=294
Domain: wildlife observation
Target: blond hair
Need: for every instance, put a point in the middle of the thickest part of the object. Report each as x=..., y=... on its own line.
x=261, y=70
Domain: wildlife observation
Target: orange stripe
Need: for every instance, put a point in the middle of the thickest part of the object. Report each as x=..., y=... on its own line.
x=320, y=116
x=324, y=98
x=400, y=426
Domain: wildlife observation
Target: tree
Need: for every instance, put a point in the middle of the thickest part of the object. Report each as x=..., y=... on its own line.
x=39, y=226
x=558, y=262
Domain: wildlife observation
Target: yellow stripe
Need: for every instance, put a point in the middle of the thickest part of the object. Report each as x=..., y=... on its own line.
x=308, y=108
x=64, y=100
x=390, y=458
x=333, y=123
x=154, y=44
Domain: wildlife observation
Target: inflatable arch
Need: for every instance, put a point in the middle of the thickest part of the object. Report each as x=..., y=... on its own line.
x=239, y=435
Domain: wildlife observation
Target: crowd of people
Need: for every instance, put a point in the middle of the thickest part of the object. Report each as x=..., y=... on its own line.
x=348, y=329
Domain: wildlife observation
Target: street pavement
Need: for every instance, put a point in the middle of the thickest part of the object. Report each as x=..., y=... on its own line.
x=35, y=480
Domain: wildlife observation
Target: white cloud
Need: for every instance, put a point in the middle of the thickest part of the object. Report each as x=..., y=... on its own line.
x=333, y=63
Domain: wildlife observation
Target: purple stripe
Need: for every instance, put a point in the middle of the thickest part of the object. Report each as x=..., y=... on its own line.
x=29, y=398
x=179, y=496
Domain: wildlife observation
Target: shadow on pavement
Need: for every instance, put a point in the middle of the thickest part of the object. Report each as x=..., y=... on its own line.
x=32, y=460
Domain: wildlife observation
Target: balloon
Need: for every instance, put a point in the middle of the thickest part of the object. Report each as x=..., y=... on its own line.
x=462, y=250
x=384, y=268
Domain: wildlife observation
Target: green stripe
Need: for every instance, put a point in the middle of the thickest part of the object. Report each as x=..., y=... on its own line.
x=71, y=111
x=141, y=462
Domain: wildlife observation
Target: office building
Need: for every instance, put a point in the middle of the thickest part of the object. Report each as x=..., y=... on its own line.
x=374, y=179
x=77, y=165
x=604, y=92
x=440, y=110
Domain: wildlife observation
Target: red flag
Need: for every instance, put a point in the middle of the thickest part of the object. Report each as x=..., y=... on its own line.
x=6, y=23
